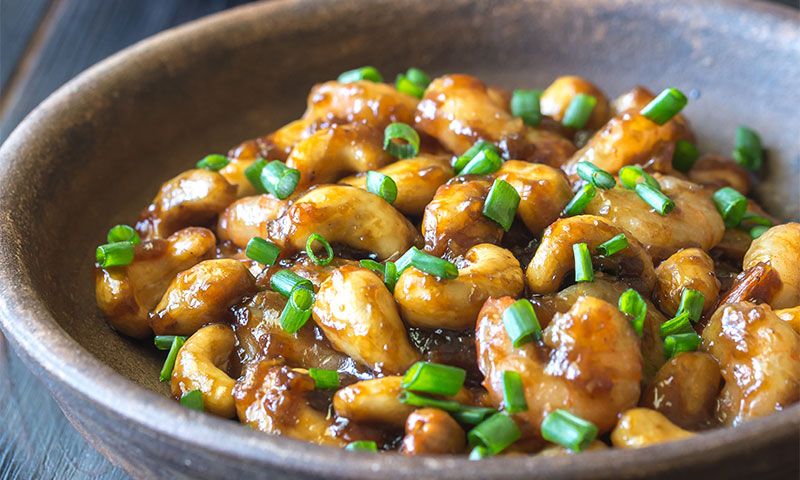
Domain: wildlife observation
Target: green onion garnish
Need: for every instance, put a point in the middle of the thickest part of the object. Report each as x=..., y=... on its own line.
x=316, y=237
x=692, y=304
x=479, y=453
x=434, y=378
x=410, y=398
x=632, y=304
x=653, y=197
x=496, y=433
x=579, y=111
x=382, y=186
x=467, y=156
x=297, y=310
x=427, y=263
x=169, y=363
x=418, y=76
x=595, y=175
x=681, y=342
x=279, y=180
x=501, y=203
x=731, y=204
x=401, y=141
x=116, y=254
x=362, y=446
x=580, y=200
x=613, y=245
x=390, y=275
x=214, y=162
x=123, y=233
x=666, y=105
x=679, y=324
x=755, y=219
x=372, y=265
x=583, y=263
x=684, y=156
x=193, y=400
x=757, y=231
x=525, y=104
x=285, y=281
x=568, y=430
x=262, y=251
x=521, y=323
x=513, y=393
x=748, y=152
x=469, y=415
x=632, y=175
x=164, y=342
x=485, y=162
x=253, y=174
x=324, y=379
x=413, y=82
x=364, y=73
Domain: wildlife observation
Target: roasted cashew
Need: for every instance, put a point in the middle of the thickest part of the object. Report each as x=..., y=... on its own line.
x=373, y=104
x=430, y=431
x=127, y=294
x=588, y=362
x=487, y=271
x=554, y=257
x=716, y=171
x=790, y=316
x=687, y=268
x=200, y=295
x=637, y=98
x=544, y=192
x=346, y=215
x=248, y=217
x=758, y=356
x=358, y=315
x=779, y=247
x=557, y=97
x=373, y=401
x=416, y=178
x=642, y=427
x=202, y=363
x=193, y=198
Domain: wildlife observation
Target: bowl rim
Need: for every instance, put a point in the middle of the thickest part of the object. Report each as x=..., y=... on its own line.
x=52, y=353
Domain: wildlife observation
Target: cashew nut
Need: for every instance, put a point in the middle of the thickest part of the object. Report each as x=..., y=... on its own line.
x=544, y=192
x=557, y=97
x=688, y=268
x=374, y=104
x=430, y=431
x=790, y=316
x=642, y=427
x=373, y=401
x=248, y=217
x=716, y=171
x=637, y=98
x=779, y=247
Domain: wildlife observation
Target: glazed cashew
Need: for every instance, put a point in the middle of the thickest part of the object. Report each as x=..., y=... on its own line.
x=544, y=192
x=779, y=247
x=127, y=294
x=557, y=97
x=316, y=274
x=685, y=390
x=430, y=431
x=358, y=315
x=554, y=257
x=202, y=363
x=757, y=284
x=454, y=222
x=373, y=401
x=348, y=215
x=248, y=217
x=758, y=356
x=193, y=198
x=426, y=301
x=370, y=103
x=790, y=316
x=200, y=295
x=575, y=367
x=694, y=222
x=417, y=180
x=688, y=268
x=558, y=451
x=637, y=98
x=716, y=171
x=333, y=152
x=642, y=427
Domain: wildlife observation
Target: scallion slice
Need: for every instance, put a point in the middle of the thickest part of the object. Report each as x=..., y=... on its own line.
x=410, y=398
x=568, y=430
x=757, y=231
x=164, y=342
x=613, y=245
x=362, y=446
x=116, y=254
x=297, y=310
x=581, y=199
x=427, y=263
x=253, y=174
x=262, y=251
x=324, y=379
x=748, y=152
x=756, y=219
x=376, y=267
x=405, y=85
x=632, y=304
x=390, y=275
x=583, y=263
x=692, y=304
x=434, y=378
x=679, y=324
x=382, y=186
x=653, y=197
x=681, y=342
x=632, y=175
x=731, y=204
x=193, y=400
x=485, y=162
x=279, y=180
x=496, y=433
x=364, y=73
x=123, y=233
x=169, y=363
x=479, y=453
x=401, y=141
x=513, y=392
x=418, y=76
x=284, y=281
x=596, y=175
x=526, y=105
x=214, y=162
x=666, y=105
x=501, y=203
x=317, y=238
x=469, y=415
x=521, y=323
x=684, y=156
x=579, y=111
x=462, y=161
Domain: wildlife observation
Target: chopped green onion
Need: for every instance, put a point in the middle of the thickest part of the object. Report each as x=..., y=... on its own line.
x=418, y=76
x=324, y=379
x=479, y=453
x=496, y=433
x=410, y=398
x=316, y=237
x=653, y=197
x=193, y=400
x=666, y=105
x=285, y=281
x=632, y=304
x=297, y=310
x=279, y=179
x=526, y=105
x=501, y=203
x=123, y=233
x=214, y=162
x=434, y=378
x=382, y=186
x=362, y=446
x=684, y=156
x=580, y=200
x=364, y=73
x=757, y=231
x=681, y=342
x=405, y=85
x=262, y=251
x=679, y=324
x=469, y=415
x=253, y=174
x=390, y=275
x=596, y=175
x=116, y=254
x=169, y=363
x=408, y=144
x=613, y=245
x=632, y=175
x=164, y=342
x=427, y=263
x=485, y=162
x=748, y=152
x=376, y=267
x=568, y=430
x=755, y=219
x=521, y=323
x=513, y=392
x=467, y=156
x=691, y=303
x=579, y=111
x=583, y=263
x=731, y=204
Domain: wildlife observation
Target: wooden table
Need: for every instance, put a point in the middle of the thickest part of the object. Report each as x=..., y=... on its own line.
x=44, y=43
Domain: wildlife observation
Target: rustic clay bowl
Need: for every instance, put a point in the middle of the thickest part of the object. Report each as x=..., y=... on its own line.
x=96, y=151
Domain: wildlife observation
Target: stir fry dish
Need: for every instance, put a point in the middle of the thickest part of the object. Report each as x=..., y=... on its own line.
x=441, y=266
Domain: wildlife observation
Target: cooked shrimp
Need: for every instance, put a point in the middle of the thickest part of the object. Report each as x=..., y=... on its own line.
x=779, y=247
x=716, y=171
